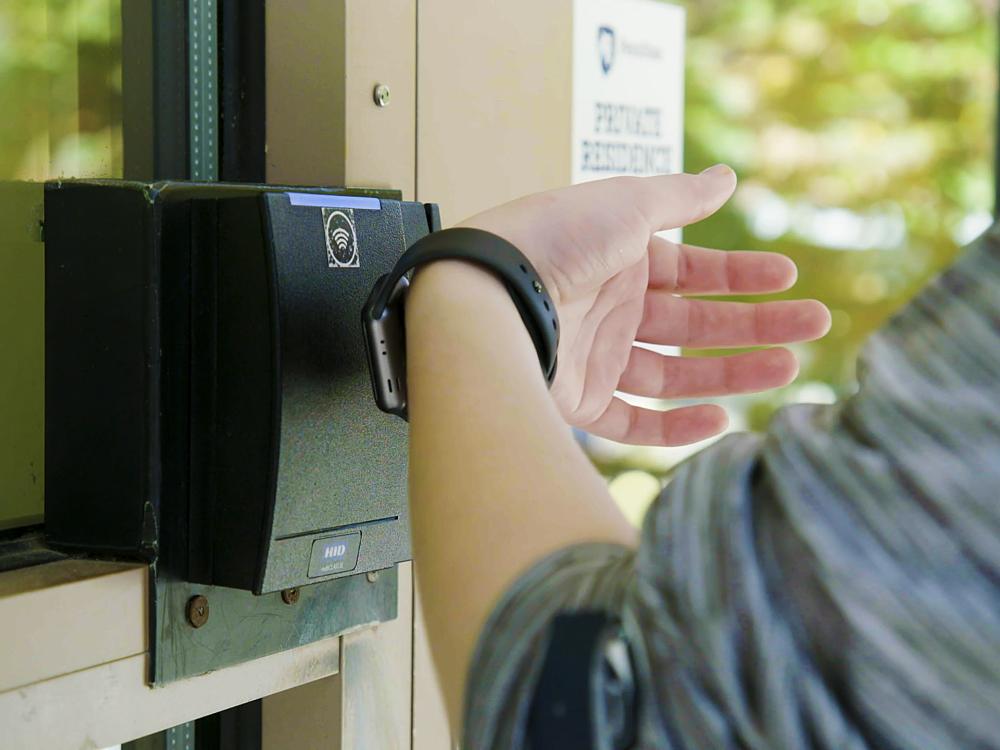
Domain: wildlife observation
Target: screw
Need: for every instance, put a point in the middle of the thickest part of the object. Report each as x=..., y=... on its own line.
x=372, y=576
x=537, y=285
x=290, y=596
x=381, y=94
x=197, y=611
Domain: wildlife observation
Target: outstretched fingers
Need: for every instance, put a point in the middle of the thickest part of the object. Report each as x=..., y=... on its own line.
x=625, y=423
x=693, y=323
x=657, y=376
x=686, y=269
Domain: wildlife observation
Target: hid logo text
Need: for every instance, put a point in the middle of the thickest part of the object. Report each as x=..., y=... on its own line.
x=341, y=238
x=606, y=48
x=334, y=551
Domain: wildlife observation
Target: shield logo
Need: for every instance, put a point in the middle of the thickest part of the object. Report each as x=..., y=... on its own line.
x=606, y=47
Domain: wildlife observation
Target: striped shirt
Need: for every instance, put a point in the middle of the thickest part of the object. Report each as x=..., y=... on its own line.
x=833, y=583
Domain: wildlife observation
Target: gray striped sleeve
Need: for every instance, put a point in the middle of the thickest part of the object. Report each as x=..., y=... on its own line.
x=834, y=583
x=511, y=648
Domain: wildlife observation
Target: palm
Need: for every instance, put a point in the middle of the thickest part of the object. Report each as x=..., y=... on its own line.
x=615, y=283
x=599, y=327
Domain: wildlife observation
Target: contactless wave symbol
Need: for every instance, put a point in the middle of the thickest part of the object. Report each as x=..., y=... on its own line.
x=341, y=238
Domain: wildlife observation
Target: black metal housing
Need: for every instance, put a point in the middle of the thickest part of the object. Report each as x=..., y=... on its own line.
x=242, y=90
x=156, y=101
x=208, y=404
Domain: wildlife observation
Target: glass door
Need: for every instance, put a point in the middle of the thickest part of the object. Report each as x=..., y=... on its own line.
x=61, y=87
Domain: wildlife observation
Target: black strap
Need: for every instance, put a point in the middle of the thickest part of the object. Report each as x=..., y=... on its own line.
x=585, y=697
x=383, y=313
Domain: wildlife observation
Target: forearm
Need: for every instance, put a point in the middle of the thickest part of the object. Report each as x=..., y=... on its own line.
x=496, y=480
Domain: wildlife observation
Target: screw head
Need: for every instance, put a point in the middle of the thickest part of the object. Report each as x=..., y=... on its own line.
x=382, y=95
x=290, y=596
x=537, y=285
x=372, y=576
x=197, y=611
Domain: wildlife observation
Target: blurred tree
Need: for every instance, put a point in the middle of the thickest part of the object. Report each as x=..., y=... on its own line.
x=863, y=134
x=60, y=83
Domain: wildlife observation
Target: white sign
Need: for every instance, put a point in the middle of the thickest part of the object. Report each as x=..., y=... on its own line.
x=628, y=93
x=628, y=88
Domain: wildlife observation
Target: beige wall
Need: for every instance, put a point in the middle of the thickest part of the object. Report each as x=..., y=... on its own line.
x=480, y=113
x=493, y=102
x=494, y=108
x=324, y=59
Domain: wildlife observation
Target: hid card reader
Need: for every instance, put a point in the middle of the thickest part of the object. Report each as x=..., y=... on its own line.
x=208, y=403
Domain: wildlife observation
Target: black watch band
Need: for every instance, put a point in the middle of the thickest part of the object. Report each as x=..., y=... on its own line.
x=586, y=695
x=382, y=315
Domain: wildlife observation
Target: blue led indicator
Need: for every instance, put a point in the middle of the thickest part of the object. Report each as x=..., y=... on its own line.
x=315, y=200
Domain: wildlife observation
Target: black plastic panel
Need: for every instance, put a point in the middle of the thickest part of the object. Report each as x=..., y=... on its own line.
x=208, y=404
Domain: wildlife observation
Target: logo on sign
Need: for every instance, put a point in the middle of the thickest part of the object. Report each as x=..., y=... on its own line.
x=341, y=238
x=606, y=47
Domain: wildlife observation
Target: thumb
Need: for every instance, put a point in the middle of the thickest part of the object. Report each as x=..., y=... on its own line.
x=676, y=200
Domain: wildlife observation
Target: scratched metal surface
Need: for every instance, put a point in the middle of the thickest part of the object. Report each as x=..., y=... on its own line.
x=242, y=626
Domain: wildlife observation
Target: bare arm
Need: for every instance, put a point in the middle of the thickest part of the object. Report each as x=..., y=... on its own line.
x=496, y=480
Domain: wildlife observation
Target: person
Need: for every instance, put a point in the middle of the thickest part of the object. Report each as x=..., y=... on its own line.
x=831, y=583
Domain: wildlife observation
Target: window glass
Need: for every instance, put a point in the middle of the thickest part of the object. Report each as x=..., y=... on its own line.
x=60, y=82
x=60, y=86
x=863, y=134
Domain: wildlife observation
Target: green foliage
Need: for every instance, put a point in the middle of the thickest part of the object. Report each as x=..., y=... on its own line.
x=863, y=134
x=60, y=84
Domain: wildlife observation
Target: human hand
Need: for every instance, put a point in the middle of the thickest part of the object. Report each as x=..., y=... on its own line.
x=615, y=282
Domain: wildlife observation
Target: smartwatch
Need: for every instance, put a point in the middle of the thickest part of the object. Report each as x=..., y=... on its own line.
x=382, y=315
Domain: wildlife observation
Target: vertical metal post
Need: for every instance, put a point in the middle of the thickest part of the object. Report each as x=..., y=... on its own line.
x=242, y=91
x=170, y=89
x=155, y=89
x=237, y=728
x=170, y=110
x=203, y=90
x=181, y=737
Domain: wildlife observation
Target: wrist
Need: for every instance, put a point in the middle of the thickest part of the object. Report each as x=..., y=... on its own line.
x=455, y=284
x=460, y=319
x=454, y=293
